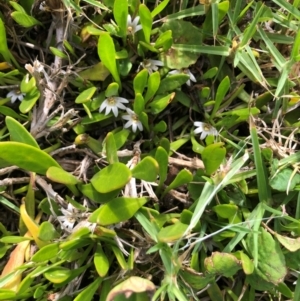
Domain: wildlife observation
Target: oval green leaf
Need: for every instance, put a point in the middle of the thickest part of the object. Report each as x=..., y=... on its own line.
x=46, y=253
x=18, y=132
x=28, y=158
x=111, y=178
x=212, y=156
x=57, y=174
x=58, y=274
x=117, y=210
x=146, y=170
x=86, y=95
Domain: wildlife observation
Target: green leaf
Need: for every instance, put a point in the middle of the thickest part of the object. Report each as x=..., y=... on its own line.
x=88, y=292
x=107, y=54
x=10, y=112
x=17, y=7
x=140, y=81
x=159, y=103
x=228, y=211
x=117, y=210
x=18, y=133
x=212, y=156
x=57, y=274
x=183, y=177
x=153, y=85
x=58, y=53
x=29, y=158
x=120, y=12
x=139, y=104
x=224, y=264
x=285, y=180
x=27, y=85
x=271, y=262
x=48, y=252
x=146, y=21
x=146, y=170
x=221, y=93
x=57, y=174
x=159, y=8
x=29, y=101
x=112, y=177
x=112, y=90
x=165, y=40
x=96, y=72
x=101, y=262
x=24, y=20
x=162, y=158
x=47, y=232
x=111, y=149
x=172, y=233
x=85, y=95
x=172, y=82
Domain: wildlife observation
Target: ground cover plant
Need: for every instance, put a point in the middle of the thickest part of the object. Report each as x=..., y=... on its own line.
x=149, y=150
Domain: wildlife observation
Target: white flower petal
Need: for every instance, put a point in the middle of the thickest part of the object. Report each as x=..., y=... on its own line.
x=128, y=124
x=174, y=72
x=115, y=111
x=134, y=126
x=121, y=99
x=199, y=124
x=103, y=106
x=129, y=21
x=138, y=28
x=140, y=126
x=135, y=21
x=157, y=62
x=192, y=77
x=198, y=130
x=203, y=135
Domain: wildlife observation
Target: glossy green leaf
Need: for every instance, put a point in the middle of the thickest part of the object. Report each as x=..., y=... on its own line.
x=120, y=12
x=146, y=170
x=88, y=292
x=172, y=82
x=224, y=264
x=117, y=210
x=27, y=85
x=139, y=104
x=153, y=85
x=47, y=232
x=212, y=156
x=58, y=53
x=18, y=132
x=195, y=279
x=221, y=93
x=162, y=158
x=7, y=294
x=140, y=81
x=86, y=95
x=164, y=40
x=24, y=20
x=13, y=239
x=121, y=137
x=111, y=149
x=57, y=274
x=101, y=262
x=29, y=101
x=159, y=8
x=29, y=158
x=107, y=54
x=3, y=44
x=48, y=252
x=183, y=177
x=146, y=21
x=228, y=211
x=59, y=175
x=159, y=103
x=112, y=177
x=172, y=233
x=160, y=127
x=112, y=90
x=9, y=112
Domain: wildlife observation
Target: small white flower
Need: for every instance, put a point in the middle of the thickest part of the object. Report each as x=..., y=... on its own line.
x=205, y=128
x=68, y=219
x=185, y=71
x=152, y=65
x=14, y=95
x=42, y=6
x=133, y=120
x=132, y=25
x=112, y=103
